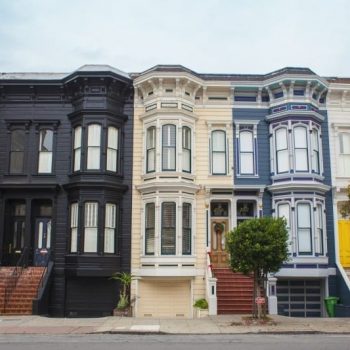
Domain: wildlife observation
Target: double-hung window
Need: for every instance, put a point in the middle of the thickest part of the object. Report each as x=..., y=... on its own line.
x=17, y=151
x=169, y=147
x=110, y=228
x=112, y=149
x=94, y=147
x=90, y=227
x=45, y=151
x=301, y=149
x=186, y=149
x=282, y=153
x=319, y=249
x=151, y=149
x=304, y=228
x=344, y=156
x=149, y=228
x=168, y=233
x=218, y=152
x=283, y=211
x=246, y=152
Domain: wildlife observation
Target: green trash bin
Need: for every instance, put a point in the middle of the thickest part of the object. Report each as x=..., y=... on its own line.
x=330, y=305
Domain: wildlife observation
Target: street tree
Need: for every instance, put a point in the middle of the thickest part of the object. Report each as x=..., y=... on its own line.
x=258, y=246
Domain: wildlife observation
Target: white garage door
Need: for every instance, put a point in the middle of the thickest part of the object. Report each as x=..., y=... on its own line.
x=160, y=299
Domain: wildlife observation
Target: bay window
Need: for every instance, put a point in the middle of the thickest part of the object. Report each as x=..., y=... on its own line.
x=169, y=147
x=218, y=152
x=94, y=147
x=45, y=151
x=344, y=154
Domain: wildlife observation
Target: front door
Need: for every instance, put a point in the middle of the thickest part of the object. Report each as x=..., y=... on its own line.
x=219, y=256
x=14, y=241
x=42, y=246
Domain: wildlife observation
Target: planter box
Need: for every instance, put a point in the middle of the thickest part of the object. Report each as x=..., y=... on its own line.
x=123, y=312
x=200, y=313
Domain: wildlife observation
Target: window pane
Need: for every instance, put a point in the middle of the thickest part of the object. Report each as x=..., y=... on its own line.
x=186, y=137
x=45, y=162
x=94, y=135
x=74, y=240
x=109, y=240
x=300, y=139
x=112, y=156
x=282, y=161
x=113, y=137
x=40, y=235
x=219, y=141
x=319, y=230
x=110, y=219
x=77, y=159
x=91, y=209
x=301, y=163
x=46, y=139
x=246, y=163
x=93, y=158
x=77, y=137
x=304, y=241
x=246, y=141
x=344, y=139
x=151, y=160
x=186, y=160
x=169, y=158
x=151, y=137
x=169, y=135
x=219, y=163
x=17, y=140
x=74, y=227
x=281, y=139
x=283, y=212
x=304, y=216
x=315, y=145
x=90, y=240
x=48, y=235
x=16, y=162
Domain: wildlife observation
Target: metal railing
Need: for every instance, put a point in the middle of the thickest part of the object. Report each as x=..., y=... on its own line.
x=12, y=279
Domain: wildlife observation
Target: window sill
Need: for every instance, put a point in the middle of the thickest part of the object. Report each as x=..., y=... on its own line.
x=168, y=259
x=247, y=176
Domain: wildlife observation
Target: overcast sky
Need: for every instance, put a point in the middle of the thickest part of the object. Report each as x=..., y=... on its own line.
x=207, y=36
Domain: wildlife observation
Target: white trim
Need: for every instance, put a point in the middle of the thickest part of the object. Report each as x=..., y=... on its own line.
x=312, y=273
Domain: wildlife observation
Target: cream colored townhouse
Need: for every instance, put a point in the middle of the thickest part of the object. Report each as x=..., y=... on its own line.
x=338, y=106
x=182, y=188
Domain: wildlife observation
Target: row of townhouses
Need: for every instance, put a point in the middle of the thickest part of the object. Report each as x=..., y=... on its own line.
x=103, y=171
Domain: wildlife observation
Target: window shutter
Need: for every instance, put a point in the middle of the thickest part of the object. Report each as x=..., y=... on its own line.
x=186, y=229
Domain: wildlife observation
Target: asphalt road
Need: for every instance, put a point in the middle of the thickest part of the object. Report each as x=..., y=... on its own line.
x=183, y=342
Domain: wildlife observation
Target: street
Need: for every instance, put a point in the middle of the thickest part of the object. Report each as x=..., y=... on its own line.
x=186, y=342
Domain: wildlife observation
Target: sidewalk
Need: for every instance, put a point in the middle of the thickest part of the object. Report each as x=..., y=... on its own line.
x=224, y=324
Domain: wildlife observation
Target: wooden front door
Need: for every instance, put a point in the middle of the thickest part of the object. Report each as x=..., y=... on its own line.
x=219, y=256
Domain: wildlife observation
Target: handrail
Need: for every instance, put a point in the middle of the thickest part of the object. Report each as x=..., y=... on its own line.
x=210, y=286
x=11, y=281
x=44, y=277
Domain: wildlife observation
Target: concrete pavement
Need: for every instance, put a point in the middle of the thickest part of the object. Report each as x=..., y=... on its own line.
x=223, y=324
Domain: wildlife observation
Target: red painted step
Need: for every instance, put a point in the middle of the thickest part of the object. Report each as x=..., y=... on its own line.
x=21, y=298
x=234, y=292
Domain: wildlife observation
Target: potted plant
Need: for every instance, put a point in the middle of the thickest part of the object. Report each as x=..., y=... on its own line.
x=124, y=305
x=201, y=306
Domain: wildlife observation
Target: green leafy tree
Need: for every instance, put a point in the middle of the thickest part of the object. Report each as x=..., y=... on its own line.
x=125, y=280
x=345, y=207
x=258, y=246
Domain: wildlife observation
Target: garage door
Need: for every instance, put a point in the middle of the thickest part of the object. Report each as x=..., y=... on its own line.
x=160, y=299
x=299, y=298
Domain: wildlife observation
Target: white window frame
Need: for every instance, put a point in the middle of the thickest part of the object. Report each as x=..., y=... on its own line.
x=112, y=154
x=74, y=227
x=151, y=149
x=168, y=148
x=45, y=156
x=186, y=149
x=344, y=157
x=110, y=228
x=283, y=150
x=305, y=149
x=289, y=221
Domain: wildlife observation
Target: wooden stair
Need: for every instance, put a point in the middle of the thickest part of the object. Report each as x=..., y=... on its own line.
x=234, y=292
x=21, y=298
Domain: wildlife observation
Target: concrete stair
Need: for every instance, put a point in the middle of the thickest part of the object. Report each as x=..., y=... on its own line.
x=21, y=299
x=234, y=292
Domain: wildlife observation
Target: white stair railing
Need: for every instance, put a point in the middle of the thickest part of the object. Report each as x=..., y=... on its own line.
x=211, y=288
